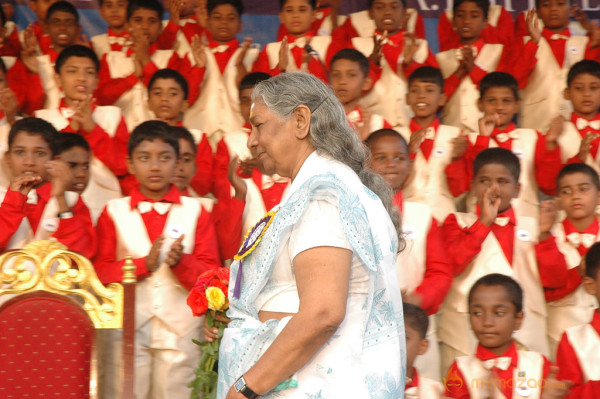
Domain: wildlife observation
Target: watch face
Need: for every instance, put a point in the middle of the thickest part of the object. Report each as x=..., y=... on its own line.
x=239, y=384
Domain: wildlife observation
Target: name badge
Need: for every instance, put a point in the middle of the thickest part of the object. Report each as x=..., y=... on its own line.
x=519, y=153
x=523, y=235
x=409, y=232
x=523, y=390
x=50, y=224
x=174, y=231
x=439, y=152
x=573, y=50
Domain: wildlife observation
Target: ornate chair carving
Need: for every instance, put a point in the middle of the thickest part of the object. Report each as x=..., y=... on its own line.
x=51, y=305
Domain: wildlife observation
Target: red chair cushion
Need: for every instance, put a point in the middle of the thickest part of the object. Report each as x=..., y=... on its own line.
x=45, y=349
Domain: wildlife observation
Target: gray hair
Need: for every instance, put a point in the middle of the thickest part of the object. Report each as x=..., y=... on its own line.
x=330, y=133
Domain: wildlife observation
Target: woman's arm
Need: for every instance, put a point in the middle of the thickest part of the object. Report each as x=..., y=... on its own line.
x=322, y=276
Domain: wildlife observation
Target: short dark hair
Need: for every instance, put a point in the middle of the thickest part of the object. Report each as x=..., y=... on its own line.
x=35, y=126
x=573, y=168
x=498, y=79
x=2, y=65
x=67, y=140
x=152, y=5
x=353, y=55
x=76, y=50
x=592, y=261
x=427, y=74
x=152, y=130
x=237, y=4
x=537, y=3
x=169, y=73
x=377, y=134
x=101, y=2
x=2, y=16
x=483, y=4
x=590, y=67
x=499, y=156
x=416, y=318
x=252, y=79
x=313, y=4
x=179, y=132
x=513, y=289
x=64, y=6
x=370, y=3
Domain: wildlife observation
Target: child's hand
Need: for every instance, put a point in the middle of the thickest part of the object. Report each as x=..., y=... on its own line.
x=487, y=124
x=247, y=166
x=586, y=146
x=212, y=333
x=365, y=130
x=375, y=56
x=154, y=254
x=201, y=13
x=61, y=176
x=24, y=184
x=239, y=61
x=582, y=18
x=489, y=205
x=555, y=389
x=175, y=10
x=554, y=132
x=459, y=146
x=83, y=40
x=140, y=46
x=533, y=25
x=83, y=114
x=410, y=48
x=468, y=60
x=174, y=254
x=414, y=298
x=239, y=185
x=548, y=212
x=198, y=51
x=29, y=50
x=416, y=139
x=283, y=55
x=594, y=34
x=9, y=105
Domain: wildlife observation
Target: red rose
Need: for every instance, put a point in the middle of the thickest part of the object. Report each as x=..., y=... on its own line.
x=196, y=300
x=223, y=274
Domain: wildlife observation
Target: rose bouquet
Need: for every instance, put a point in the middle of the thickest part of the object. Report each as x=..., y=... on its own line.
x=209, y=297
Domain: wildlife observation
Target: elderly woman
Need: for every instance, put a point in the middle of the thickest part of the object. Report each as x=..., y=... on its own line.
x=315, y=305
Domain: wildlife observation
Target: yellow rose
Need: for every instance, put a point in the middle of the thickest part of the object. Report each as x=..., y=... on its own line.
x=216, y=299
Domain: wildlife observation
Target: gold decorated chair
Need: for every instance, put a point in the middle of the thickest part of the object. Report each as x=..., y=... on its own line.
x=52, y=310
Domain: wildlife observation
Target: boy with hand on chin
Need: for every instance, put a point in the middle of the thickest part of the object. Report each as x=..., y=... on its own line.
x=499, y=368
x=578, y=354
x=172, y=240
x=493, y=239
x=37, y=205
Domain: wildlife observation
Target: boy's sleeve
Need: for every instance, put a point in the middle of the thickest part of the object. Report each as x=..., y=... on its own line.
x=77, y=232
x=202, y=180
x=552, y=264
x=459, y=172
x=12, y=211
x=108, y=268
x=438, y=272
x=547, y=165
x=227, y=217
x=205, y=256
x=262, y=64
x=570, y=284
x=569, y=368
x=527, y=61
x=456, y=386
x=168, y=36
x=109, y=89
x=463, y=244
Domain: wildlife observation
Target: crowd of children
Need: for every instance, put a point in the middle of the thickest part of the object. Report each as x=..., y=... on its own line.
x=134, y=143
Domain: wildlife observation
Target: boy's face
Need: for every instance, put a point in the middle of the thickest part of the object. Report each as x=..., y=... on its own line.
x=40, y=8
x=28, y=155
x=500, y=180
x=166, y=99
x=63, y=29
x=415, y=345
x=493, y=317
x=554, y=13
x=78, y=159
x=584, y=94
x=297, y=16
x=499, y=101
x=77, y=78
x=246, y=103
x=387, y=15
x=389, y=158
x=469, y=21
x=348, y=81
x=188, y=7
x=187, y=165
x=148, y=21
x=114, y=12
x=154, y=163
x=577, y=195
x=425, y=98
x=224, y=23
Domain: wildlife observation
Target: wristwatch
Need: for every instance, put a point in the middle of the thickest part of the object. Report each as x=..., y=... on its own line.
x=243, y=388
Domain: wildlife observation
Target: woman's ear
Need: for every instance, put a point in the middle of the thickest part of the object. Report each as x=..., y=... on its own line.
x=301, y=119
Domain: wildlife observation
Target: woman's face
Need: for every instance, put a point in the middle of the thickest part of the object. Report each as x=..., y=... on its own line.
x=272, y=140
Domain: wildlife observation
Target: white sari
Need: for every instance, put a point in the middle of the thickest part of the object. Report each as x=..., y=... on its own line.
x=366, y=357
